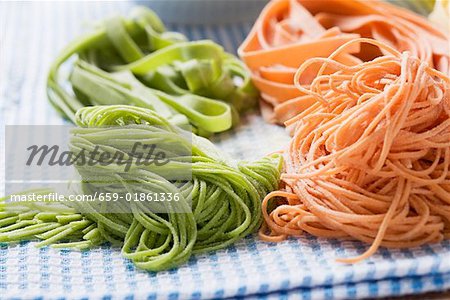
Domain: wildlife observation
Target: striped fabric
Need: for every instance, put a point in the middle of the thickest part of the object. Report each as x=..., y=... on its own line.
x=30, y=36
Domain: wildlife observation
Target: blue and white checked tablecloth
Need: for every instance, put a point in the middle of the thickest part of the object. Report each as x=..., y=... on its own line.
x=30, y=36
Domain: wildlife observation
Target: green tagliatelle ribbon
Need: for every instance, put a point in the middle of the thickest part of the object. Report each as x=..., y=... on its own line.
x=217, y=205
x=135, y=61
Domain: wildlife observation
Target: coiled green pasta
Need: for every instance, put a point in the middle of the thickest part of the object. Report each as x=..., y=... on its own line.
x=218, y=204
x=135, y=61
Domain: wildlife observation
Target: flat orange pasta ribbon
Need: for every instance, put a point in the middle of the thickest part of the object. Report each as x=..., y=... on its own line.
x=288, y=32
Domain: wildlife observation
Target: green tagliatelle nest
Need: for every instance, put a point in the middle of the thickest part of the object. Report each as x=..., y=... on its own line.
x=135, y=61
x=218, y=205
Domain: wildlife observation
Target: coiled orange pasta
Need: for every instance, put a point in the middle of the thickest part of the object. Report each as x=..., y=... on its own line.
x=369, y=159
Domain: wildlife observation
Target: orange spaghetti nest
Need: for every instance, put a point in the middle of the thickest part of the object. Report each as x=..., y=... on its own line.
x=369, y=159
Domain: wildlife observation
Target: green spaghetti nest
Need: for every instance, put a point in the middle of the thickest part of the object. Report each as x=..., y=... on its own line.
x=218, y=205
x=136, y=61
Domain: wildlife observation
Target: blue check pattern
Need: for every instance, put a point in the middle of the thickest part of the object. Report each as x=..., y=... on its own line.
x=30, y=36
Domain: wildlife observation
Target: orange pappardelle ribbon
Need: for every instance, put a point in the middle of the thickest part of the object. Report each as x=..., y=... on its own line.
x=288, y=32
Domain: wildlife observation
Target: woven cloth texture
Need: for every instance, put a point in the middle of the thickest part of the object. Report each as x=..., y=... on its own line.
x=31, y=34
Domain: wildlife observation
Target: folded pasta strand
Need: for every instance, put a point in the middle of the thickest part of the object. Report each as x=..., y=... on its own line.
x=289, y=32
